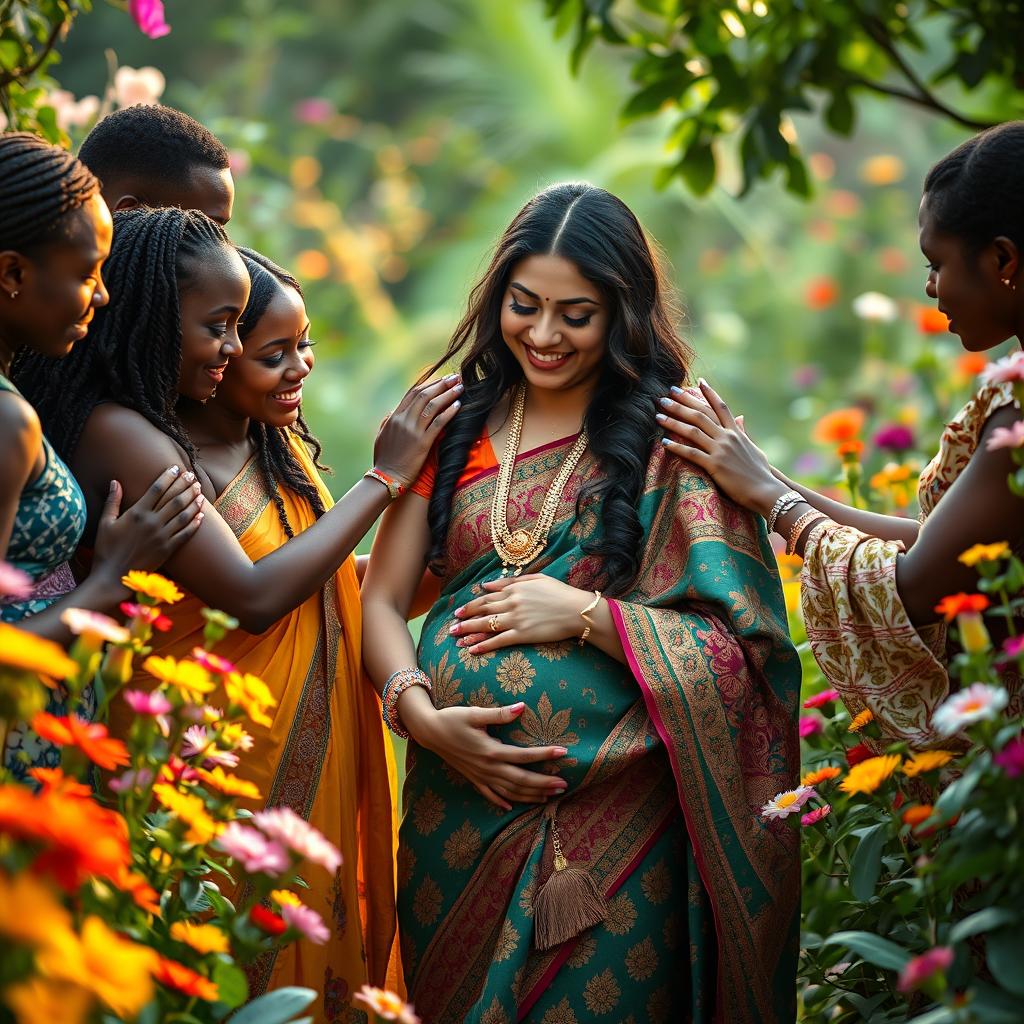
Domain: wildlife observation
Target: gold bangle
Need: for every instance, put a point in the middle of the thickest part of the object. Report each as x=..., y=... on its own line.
x=585, y=612
x=799, y=526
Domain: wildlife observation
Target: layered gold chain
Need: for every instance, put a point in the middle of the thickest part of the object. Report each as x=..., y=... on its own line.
x=523, y=546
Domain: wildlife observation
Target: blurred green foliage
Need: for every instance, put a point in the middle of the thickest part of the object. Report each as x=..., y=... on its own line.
x=735, y=73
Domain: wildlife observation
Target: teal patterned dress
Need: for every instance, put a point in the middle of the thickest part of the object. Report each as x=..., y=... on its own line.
x=47, y=528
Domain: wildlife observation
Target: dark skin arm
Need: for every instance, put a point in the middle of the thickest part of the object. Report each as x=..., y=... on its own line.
x=426, y=593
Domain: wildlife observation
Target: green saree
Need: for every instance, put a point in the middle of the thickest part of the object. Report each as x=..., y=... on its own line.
x=670, y=758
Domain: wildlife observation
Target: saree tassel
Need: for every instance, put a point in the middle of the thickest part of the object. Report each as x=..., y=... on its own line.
x=568, y=903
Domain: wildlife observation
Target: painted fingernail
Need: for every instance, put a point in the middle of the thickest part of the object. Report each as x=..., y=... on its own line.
x=453, y=629
x=702, y=382
x=665, y=440
x=199, y=500
x=660, y=417
x=460, y=388
x=201, y=516
x=196, y=487
x=676, y=391
x=458, y=611
x=452, y=376
x=189, y=477
x=175, y=470
x=666, y=402
x=560, y=751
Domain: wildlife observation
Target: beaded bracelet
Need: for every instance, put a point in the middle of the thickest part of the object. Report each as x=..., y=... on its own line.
x=784, y=503
x=397, y=683
x=799, y=526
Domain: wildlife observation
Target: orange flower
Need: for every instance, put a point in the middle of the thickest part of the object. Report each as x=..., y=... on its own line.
x=959, y=604
x=54, y=779
x=821, y=292
x=839, y=425
x=136, y=885
x=184, y=979
x=970, y=364
x=850, y=448
x=931, y=321
x=90, y=737
x=864, y=718
x=821, y=775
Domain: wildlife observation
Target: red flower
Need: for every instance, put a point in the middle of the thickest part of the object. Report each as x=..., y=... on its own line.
x=931, y=321
x=90, y=737
x=818, y=699
x=267, y=921
x=148, y=614
x=958, y=604
x=184, y=979
x=858, y=753
x=821, y=292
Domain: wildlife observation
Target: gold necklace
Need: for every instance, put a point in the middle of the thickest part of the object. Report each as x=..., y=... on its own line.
x=523, y=546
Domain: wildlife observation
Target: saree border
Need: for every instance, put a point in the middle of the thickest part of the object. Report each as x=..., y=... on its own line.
x=245, y=499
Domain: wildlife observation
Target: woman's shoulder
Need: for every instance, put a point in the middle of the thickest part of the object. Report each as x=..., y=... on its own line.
x=114, y=435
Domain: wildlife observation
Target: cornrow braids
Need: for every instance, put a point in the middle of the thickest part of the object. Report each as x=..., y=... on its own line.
x=277, y=461
x=132, y=354
x=39, y=184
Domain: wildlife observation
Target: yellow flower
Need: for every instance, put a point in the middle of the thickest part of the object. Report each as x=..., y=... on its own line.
x=985, y=553
x=116, y=969
x=866, y=716
x=926, y=761
x=868, y=775
x=30, y=653
x=152, y=585
x=43, y=1001
x=285, y=898
x=252, y=694
x=203, y=938
x=234, y=737
x=190, y=809
x=191, y=680
x=160, y=857
x=30, y=913
x=231, y=785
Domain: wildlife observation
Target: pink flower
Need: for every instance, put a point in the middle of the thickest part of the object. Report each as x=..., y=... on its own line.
x=306, y=921
x=810, y=725
x=199, y=743
x=283, y=824
x=212, y=662
x=147, y=614
x=1013, y=646
x=142, y=703
x=253, y=850
x=923, y=968
x=818, y=699
x=72, y=113
x=138, y=85
x=1009, y=368
x=13, y=582
x=313, y=110
x=978, y=703
x=94, y=626
x=895, y=438
x=1011, y=757
x=130, y=780
x=239, y=161
x=386, y=1005
x=782, y=805
x=149, y=16
x=813, y=817
x=1006, y=437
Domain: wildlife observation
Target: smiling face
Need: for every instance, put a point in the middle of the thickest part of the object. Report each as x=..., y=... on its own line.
x=59, y=288
x=265, y=382
x=211, y=303
x=555, y=322
x=968, y=283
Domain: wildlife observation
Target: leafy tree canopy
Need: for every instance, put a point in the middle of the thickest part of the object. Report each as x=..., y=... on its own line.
x=741, y=69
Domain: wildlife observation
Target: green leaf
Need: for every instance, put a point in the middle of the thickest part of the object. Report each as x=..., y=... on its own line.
x=955, y=796
x=840, y=114
x=986, y=920
x=277, y=1007
x=232, y=987
x=1005, y=953
x=867, y=863
x=651, y=98
x=191, y=891
x=872, y=948
x=698, y=167
x=939, y=1015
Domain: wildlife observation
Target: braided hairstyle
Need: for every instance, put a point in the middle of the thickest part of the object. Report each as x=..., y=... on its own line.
x=132, y=354
x=645, y=356
x=974, y=192
x=39, y=185
x=277, y=461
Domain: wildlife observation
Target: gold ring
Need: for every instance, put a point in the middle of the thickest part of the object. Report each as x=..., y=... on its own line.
x=492, y=624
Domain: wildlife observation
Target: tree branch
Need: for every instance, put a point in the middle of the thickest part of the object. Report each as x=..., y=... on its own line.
x=927, y=101
x=20, y=73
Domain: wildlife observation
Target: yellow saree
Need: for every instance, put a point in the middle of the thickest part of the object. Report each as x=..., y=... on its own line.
x=325, y=756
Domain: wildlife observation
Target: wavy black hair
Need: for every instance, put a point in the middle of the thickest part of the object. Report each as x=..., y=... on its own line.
x=278, y=464
x=645, y=356
x=39, y=185
x=974, y=191
x=132, y=353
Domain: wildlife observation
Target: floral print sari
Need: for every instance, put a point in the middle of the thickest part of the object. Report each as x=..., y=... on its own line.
x=670, y=758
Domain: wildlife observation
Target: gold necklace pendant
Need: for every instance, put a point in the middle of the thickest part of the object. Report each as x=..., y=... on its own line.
x=522, y=546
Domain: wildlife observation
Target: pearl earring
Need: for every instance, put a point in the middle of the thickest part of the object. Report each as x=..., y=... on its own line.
x=13, y=295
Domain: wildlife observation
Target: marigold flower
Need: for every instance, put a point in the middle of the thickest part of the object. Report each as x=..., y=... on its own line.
x=94, y=626
x=782, y=805
x=813, y=817
x=285, y=898
x=868, y=775
x=256, y=853
x=142, y=893
x=267, y=921
x=915, y=815
x=850, y=448
x=189, y=808
x=157, y=588
x=251, y=694
x=229, y=785
x=820, y=775
x=957, y=604
x=925, y=761
x=14, y=583
x=1009, y=369
x=386, y=1005
x=184, y=979
x=864, y=718
x=54, y=780
x=306, y=921
x=839, y=426
x=985, y=552
x=978, y=703
x=1006, y=437
x=203, y=938
x=921, y=969
x=809, y=725
x=818, y=699
x=30, y=653
x=931, y=320
x=190, y=679
x=1011, y=757
x=89, y=737
x=283, y=824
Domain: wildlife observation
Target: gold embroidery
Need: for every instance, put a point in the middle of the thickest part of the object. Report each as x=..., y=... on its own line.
x=462, y=847
x=545, y=727
x=657, y=883
x=446, y=692
x=621, y=914
x=554, y=651
x=426, y=904
x=560, y=1013
x=602, y=992
x=507, y=943
x=406, y=865
x=641, y=960
x=482, y=698
x=584, y=950
x=474, y=662
x=659, y=1006
x=428, y=812
x=528, y=892
x=515, y=673
x=494, y=1014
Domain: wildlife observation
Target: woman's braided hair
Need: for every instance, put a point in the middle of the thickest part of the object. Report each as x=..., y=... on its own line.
x=132, y=354
x=277, y=460
x=39, y=184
